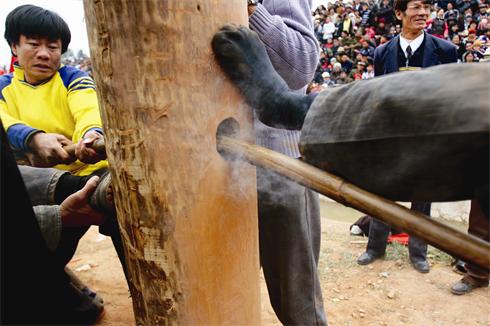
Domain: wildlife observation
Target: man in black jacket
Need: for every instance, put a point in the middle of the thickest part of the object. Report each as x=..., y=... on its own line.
x=413, y=49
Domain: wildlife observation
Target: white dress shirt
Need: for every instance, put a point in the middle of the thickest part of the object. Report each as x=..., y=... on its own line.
x=414, y=44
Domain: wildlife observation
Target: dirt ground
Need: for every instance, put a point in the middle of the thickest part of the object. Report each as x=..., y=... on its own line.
x=353, y=294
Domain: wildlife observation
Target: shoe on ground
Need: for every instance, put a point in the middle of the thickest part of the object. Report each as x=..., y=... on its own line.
x=355, y=230
x=459, y=267
x=79, y=284
x=367, y=258
x=92, y=295
x=102, y=198
x=462, y=287
x=421, y=266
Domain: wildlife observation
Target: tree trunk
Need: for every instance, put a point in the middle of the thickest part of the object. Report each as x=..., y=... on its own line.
x=188, y=217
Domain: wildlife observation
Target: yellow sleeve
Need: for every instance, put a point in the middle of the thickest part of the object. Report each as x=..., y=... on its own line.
x=84, y=106
x=7, y=119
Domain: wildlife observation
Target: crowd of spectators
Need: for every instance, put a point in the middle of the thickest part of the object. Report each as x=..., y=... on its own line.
x=84, y=64
x=349, y=33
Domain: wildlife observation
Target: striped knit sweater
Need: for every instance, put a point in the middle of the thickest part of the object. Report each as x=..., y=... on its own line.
x=286, y=28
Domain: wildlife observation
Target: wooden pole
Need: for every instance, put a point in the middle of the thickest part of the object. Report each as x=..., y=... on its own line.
x=188, y=217
x=98, y=145
x=452, y=241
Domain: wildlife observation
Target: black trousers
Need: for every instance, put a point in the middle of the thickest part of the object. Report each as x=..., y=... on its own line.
x=379, y=233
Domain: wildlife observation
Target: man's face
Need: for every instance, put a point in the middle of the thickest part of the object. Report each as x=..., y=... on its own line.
x=386, y=2
x=39, y=58
x=415, y=17
x=343, y=75
x=360, y=67
x=336, y=42
x=344, y=58
x=469, y=46
x=365, y=44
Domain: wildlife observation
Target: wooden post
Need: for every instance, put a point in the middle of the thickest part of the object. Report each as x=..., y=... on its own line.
x=188, y=217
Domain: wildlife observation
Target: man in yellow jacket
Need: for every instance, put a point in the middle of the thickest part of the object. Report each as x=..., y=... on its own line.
x=45, y=105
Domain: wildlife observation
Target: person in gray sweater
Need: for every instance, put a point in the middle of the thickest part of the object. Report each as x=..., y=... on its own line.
x=289, y=214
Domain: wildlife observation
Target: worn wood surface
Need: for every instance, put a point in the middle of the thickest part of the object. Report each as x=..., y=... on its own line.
x=188, y=217
x=468, y=248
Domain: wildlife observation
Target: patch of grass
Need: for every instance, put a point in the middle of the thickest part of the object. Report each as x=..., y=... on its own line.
x=396, y=251
x=334, y=263
x=327, y=250
x=349, y=259
x=437, y=255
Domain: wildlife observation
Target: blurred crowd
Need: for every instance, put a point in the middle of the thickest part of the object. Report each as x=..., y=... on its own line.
x=349, y=32
x=84, y=64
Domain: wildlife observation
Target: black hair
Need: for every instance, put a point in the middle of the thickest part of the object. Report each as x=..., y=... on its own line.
x=36, y=22
x=402, y=4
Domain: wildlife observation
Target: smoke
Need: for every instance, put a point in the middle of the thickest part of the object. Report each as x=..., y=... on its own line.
x=273, y=190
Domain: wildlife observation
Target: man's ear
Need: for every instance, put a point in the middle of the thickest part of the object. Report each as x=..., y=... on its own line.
x=13, y=49
x=399, y=14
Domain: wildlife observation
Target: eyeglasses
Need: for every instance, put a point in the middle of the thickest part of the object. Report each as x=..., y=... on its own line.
x=417, y=7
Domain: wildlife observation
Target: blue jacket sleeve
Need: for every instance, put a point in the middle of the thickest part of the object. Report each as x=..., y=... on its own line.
x=17, y=134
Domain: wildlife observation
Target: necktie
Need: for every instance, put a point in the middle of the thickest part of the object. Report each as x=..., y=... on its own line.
x=409, y=52
x=409, y=55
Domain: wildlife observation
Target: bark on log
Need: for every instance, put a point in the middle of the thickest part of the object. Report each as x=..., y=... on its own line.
x=188, y=217
x=464, y=246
